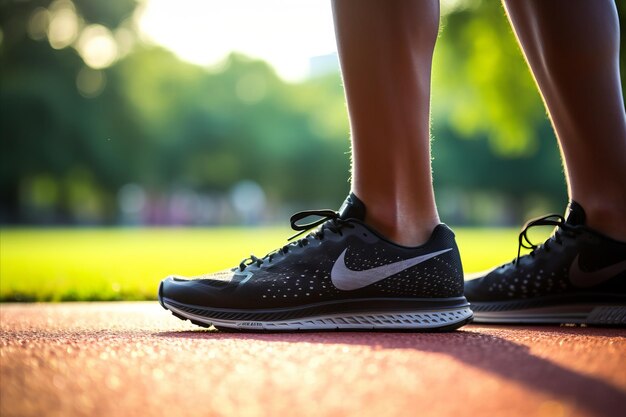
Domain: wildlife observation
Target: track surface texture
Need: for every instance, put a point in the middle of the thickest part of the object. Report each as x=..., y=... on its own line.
x=135, y=359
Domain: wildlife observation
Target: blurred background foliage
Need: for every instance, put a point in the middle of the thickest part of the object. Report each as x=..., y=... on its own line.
x=100, y=128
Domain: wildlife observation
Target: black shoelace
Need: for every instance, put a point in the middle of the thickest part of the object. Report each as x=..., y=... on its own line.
x=562, y=229
x=329, y=221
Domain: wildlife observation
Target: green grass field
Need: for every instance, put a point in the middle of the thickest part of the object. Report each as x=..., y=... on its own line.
x=127, y=264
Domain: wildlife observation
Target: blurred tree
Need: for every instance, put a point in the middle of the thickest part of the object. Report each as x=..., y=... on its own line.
x=241, y=122
x=48, y=129
x=75, y=127
x=482, y=85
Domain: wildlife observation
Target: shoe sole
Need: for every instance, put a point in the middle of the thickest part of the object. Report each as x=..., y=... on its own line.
x=514, y=312
x=434, y=320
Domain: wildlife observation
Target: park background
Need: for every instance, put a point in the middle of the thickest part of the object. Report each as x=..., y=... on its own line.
x=145, y=138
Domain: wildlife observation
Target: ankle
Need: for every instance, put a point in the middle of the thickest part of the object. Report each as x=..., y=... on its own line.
x=607, y=217
x=403, y=230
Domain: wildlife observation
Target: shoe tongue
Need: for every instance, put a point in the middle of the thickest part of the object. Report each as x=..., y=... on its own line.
x=575, y=214
x=352, y=208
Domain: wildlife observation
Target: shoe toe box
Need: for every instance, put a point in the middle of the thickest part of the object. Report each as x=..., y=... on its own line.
x=201, y=290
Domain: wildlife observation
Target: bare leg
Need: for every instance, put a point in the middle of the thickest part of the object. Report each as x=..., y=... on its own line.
x=572, y=48
x=385, y=49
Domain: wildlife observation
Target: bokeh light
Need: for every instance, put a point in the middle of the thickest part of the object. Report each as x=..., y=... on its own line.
x=125, y=39
x=90, y=82
x=38, y=24
x=64, y=24
x=97, y=46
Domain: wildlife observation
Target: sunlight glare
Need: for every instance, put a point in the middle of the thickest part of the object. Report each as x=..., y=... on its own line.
x=285, y=33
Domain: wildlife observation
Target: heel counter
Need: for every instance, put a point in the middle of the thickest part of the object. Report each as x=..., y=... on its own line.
x=459, y=275
x=447, y=239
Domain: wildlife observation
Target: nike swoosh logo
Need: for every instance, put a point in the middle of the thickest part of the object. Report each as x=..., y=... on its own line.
x=582, y=279
x=346, y=279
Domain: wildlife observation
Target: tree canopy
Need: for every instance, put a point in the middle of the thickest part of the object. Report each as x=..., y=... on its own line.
x=76, y=131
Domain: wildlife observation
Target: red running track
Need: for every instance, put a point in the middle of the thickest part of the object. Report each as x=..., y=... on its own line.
x=135, y=359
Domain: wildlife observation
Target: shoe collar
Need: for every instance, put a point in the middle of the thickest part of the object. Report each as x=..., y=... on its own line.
x=575, y=214
x=352, y=208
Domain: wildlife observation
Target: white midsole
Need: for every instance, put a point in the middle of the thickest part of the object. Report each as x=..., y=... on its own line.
x=375, y=320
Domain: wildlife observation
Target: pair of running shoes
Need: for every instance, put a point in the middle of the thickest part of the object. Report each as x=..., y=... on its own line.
x=344, y=275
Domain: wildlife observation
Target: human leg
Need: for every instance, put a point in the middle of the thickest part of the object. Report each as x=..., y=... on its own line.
x=579, y=274
x=572, y=47
x=385, y=50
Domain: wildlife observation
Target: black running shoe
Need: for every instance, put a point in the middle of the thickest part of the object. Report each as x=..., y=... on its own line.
x=577, y=276
x=342, y=275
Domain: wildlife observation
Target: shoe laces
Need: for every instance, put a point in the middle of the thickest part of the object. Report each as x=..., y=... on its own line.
x=329, y=221
x=562, y=229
